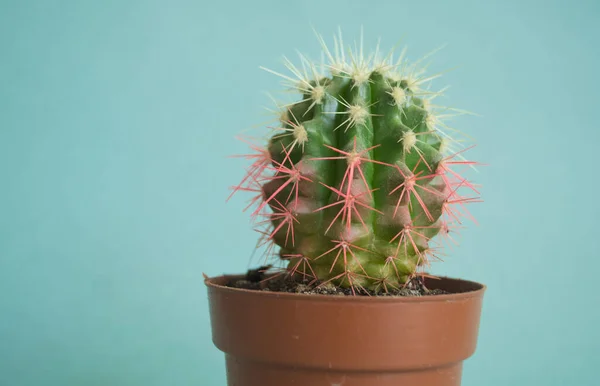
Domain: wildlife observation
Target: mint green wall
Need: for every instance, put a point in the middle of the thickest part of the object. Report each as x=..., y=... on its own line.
x=116, y=118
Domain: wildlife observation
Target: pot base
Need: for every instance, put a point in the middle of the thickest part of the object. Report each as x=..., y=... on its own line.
x=246, y=373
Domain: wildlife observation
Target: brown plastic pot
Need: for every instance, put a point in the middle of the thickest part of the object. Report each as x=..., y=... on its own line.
x=284, y=339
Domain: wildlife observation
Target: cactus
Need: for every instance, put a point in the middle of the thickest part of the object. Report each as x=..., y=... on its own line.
x=359, y=176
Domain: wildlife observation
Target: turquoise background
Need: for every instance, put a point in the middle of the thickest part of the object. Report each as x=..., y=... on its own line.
x=116, y=119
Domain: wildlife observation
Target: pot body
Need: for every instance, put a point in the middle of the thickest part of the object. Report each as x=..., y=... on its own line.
x=283, y=339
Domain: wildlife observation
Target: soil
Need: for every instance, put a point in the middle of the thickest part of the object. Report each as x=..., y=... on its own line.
x=257, y=279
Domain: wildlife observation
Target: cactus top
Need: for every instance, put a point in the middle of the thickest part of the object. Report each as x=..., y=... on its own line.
x=361, y=173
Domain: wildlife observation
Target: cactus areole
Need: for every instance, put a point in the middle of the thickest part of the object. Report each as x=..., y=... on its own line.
x=360, y=174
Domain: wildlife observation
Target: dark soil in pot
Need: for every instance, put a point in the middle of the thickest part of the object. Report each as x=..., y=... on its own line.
x=257, y=279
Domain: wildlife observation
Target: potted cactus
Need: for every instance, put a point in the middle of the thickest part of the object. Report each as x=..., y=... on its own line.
x=350, y=195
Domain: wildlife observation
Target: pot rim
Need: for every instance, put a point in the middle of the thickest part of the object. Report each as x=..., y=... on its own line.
x=477, y=291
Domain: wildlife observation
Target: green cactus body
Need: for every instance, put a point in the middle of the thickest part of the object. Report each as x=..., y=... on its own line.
x=354, y=184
